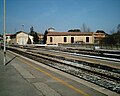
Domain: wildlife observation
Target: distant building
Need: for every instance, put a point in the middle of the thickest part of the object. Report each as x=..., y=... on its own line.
x=69, y=37
x=21, y=38
x=40, y=37
x=54, y=38
x=8, y=38
x=51, y=29
x=98, y=36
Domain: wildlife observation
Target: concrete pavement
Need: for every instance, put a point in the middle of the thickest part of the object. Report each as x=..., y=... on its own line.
x=12, y=83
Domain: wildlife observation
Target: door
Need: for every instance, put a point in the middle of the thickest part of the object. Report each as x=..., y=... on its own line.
x=72, y=39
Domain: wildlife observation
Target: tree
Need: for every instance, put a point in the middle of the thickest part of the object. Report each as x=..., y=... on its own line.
x=114, y=38
x=112, y=31
x=108, y=40
x=74, y=30
x=85, y=28
x=45, y=37
x=32, y=31
x=34, y=34
x=29, y=40
x=0, y=35
x=100, y=31
x=36, y=38
x=118, y=28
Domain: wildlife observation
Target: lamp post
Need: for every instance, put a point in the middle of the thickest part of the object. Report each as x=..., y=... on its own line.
x=4, y=32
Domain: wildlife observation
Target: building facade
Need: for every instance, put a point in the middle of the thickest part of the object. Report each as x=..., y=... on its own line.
x=40, y=36
x=8, y=38
x=21, y=38
x=54, y=38
x=98, y=37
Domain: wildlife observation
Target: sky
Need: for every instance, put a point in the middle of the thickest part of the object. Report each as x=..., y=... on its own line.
x=62, y=15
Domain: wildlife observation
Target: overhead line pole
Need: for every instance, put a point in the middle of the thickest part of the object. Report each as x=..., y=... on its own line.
x=4, y=32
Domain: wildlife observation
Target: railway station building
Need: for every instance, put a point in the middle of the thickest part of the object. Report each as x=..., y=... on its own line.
x=55, y=38
x=69, y=37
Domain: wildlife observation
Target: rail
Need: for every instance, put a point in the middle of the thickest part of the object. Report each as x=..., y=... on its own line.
x=97, y=76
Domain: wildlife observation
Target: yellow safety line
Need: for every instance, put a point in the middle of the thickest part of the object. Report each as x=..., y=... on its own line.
x=55, y=78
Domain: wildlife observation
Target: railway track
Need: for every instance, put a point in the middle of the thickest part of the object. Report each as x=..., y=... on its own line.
x=98, y=52
x=77, y=58
x=98, y=75
x=83, y=55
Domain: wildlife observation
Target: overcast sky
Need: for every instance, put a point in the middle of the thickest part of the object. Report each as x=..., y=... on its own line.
x=60, y=14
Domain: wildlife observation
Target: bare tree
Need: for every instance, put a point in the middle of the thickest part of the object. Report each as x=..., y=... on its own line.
x=112, y=31
x=85, y=28
x=88, y=29
x=118, y=28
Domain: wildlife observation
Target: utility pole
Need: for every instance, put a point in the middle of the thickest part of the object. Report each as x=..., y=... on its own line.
x=4, y=32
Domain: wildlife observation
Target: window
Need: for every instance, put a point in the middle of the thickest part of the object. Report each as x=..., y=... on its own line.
x=51, y=40
x=65, y=39
x=87, y=39
x=72, y=39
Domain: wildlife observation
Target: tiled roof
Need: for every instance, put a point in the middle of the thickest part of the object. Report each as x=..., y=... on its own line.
x=99, y=33
x=69, y=33
x=9, y=34
x=21, y=32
